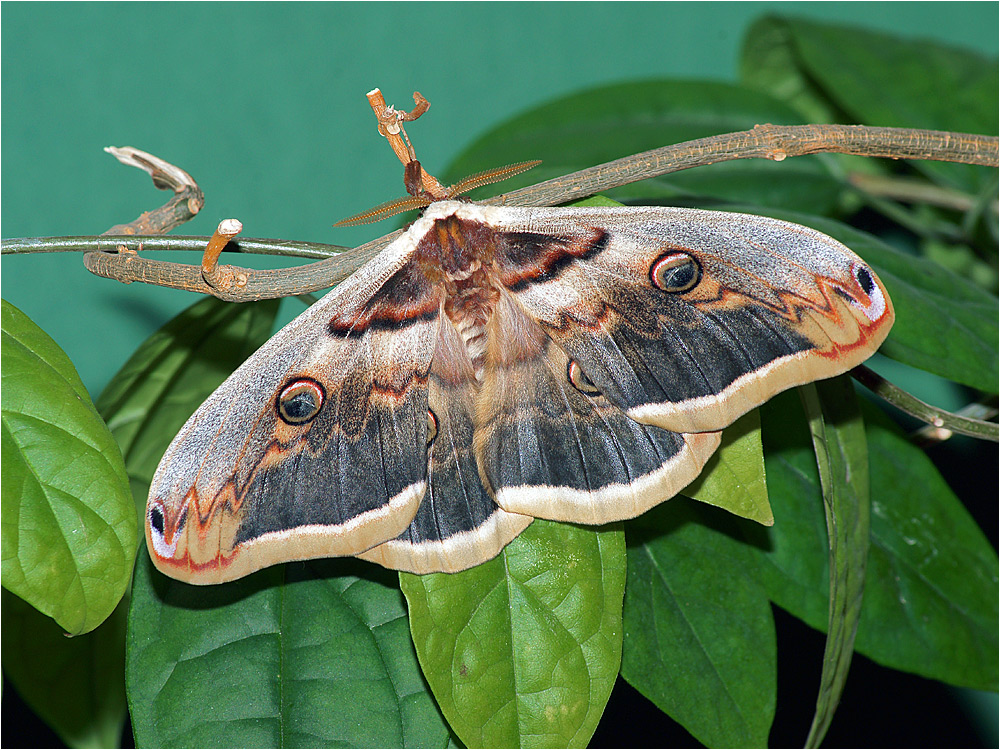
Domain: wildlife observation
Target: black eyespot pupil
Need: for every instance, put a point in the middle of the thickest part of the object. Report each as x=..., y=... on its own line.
x=300, y=401
x=156, y=520
x=675, y=272
x=299, y=405
x=679, y=275
x=865, y=279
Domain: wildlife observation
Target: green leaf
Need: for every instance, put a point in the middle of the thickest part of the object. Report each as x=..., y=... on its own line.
x=938, y=570
x=304, y=655
x=74, y=684
x=945, y=324
x=523, y=650
x=69, y=527
x=733, y=478
x=769, y=62
x=610, y=122
x=881, y=79
x=173, y=372
x=930, y=603
x=699, y=634
x=838, y=435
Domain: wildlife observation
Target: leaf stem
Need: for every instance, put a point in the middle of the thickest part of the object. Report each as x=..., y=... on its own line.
x=913, y=406
x=841, y=447
x=911, y=190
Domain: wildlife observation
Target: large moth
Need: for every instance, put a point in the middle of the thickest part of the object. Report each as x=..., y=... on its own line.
x=493, y=365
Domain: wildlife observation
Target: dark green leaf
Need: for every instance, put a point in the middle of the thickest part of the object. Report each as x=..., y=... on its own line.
x=838, y=435
x=930, y=603
x=769, y=62
x=614, y=121
x=524, y=650
x=699, y=635
x=74, y=684
x=937, y=570
x=881, y=79
x=305, y=655
x=69, y=527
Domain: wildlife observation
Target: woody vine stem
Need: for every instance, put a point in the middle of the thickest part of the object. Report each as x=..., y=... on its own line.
x=108, y=255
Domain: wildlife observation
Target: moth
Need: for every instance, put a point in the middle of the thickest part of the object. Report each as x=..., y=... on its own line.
x=494, y=365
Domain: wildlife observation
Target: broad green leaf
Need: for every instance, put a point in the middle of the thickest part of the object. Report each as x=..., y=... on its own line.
x=610, y=122
x=838, y=435
x=930, y=603
x=733, y=478
x=172, y=372
x=945, y=324
x=69, y=527
x=523, y=650
x=881, y=79
x=74, y=684
x=769, y=62
x=936, y=567
x=304, y=655
x=699, y=634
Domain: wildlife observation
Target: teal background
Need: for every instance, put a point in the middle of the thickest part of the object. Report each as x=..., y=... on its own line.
x=264, y=105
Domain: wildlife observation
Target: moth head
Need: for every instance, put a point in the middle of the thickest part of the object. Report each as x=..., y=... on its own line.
x=420, y=197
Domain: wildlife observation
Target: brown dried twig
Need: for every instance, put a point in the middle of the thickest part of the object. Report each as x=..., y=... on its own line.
x=239, y=284
x=764, y=141
x=188, y=198
x=774, y=142
x=390, y=124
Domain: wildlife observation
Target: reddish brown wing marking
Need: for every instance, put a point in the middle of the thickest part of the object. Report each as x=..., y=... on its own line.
x=761, y=306
x=315, y=447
